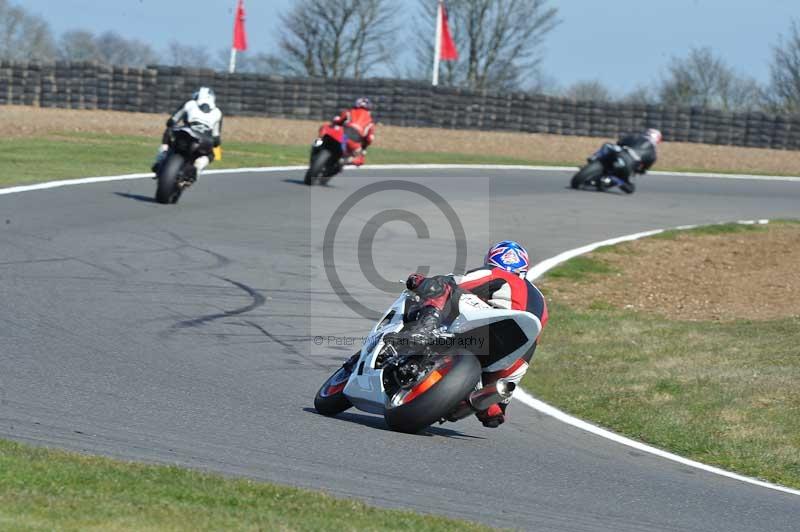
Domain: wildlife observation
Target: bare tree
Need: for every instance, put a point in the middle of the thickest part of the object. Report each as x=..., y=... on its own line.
x=24, y=36
x=641, y=95
x=188, y=56
x=588, y=90
x=110, y=48
x=338, y=38
x=784, y=90
x=78, y=45
x=117, y=50
x=250, y=62
x=500, y=42
x=704, y=80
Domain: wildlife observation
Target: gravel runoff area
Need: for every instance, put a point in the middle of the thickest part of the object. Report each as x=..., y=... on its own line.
x=748, y=275
x=34, y=121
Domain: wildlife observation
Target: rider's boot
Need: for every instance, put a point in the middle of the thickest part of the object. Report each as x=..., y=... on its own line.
x=358, y=159
x=494, y=416
x=628, y=187
x=199, y=165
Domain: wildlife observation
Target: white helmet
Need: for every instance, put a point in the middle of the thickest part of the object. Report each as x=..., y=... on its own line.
x=205, y=98
x=653, y=135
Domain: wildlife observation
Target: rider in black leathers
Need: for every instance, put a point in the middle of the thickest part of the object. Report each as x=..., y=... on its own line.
x=641, y=149
x=644, y=144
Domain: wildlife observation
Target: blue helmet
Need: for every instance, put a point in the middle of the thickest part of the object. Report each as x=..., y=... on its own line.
x=509, y=256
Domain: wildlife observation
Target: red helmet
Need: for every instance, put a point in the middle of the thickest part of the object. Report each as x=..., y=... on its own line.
x=363, y=103
x=653, y=135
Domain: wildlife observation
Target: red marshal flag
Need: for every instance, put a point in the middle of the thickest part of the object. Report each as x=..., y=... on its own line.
x=448, y=51
x=239, y=35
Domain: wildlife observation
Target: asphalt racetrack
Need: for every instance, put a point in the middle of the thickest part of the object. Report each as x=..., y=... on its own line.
x=197, y=334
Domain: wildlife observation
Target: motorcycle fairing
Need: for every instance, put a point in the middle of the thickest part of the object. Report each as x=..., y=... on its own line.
x=475, y=314
x=365, y=388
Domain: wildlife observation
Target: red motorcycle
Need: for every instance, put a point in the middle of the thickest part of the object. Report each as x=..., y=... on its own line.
x=334, y=144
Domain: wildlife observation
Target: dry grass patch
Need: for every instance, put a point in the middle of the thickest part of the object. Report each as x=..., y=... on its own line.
x=538, y=148
x=747, y=275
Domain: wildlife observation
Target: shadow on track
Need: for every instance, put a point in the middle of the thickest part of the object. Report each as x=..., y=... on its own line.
x=377, y=422
x=301, y=182
x=137, y=197
x=588, y=189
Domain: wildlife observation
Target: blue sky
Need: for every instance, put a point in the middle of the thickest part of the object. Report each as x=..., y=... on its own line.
x=623, y=43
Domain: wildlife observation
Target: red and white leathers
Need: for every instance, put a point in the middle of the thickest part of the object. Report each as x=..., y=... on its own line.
x=498, y=288
x=360, y=130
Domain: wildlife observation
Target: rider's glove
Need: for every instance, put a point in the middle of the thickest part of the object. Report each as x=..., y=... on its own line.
x=414, y=337
x=414, y=280
x=419, y=333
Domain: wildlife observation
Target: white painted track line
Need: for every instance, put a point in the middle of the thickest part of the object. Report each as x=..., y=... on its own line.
x=102, y=179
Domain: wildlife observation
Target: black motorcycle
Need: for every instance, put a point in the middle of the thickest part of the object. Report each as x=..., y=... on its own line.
x=610, y=166
x=176, y=172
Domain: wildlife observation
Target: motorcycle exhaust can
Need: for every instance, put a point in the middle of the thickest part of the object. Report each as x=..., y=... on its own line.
x=483, y=398
x=492, y=394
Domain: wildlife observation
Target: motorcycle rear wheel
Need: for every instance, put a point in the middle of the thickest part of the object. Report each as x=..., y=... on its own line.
x=593, y=170
x=437, y=400
x=316, y=170
x=167, y=190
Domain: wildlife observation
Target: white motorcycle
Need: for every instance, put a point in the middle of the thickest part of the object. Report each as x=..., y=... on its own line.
x=415, y=387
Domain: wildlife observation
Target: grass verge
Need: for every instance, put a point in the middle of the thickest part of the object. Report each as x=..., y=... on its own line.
x=719, y=392
x=716, y=229
x=73, y=155
x=42, y=489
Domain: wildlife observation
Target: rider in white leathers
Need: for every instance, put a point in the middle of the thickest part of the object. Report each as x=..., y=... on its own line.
x=204, y=117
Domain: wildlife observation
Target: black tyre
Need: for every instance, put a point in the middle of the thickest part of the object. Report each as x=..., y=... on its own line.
x=319, y=163
x=333, y=169
x=167, y=190
x=593, y=170
x=330, y=399
x=628, y=187
x=459, y=374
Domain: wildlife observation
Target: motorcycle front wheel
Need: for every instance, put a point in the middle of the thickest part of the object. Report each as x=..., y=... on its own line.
x=167, y=190
x=330, y=399
x=435, y=394
x=593, y=170
x=317, y=167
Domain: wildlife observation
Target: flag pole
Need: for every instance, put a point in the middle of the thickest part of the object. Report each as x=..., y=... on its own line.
x=437, y=47
x=232, y=64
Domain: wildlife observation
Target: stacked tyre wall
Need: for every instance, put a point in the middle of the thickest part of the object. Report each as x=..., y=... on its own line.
x=399, y=102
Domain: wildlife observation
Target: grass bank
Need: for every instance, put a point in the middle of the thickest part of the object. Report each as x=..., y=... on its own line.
x=73, y=155
x=717, y=389
x=42, y=489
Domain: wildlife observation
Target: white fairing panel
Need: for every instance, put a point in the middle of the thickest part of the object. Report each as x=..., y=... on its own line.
x=365, y=387
x=475, y=313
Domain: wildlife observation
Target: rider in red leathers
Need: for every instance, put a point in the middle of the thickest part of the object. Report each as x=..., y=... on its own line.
x=501, y=283
x=360, y=130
